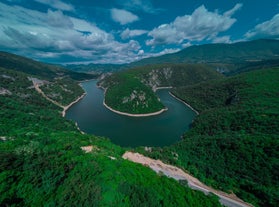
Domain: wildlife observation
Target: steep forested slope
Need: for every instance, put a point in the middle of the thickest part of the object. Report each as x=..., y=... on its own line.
x=233, y=143
x=132, y=90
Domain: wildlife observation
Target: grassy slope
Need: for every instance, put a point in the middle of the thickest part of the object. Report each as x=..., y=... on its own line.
x=42, y=163
x=121, y=86
x=234, y=142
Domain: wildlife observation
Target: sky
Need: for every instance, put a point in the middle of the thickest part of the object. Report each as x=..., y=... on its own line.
x=123, y=31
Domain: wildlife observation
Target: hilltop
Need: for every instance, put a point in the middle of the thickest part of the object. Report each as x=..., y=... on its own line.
x=35, y=68
x=226, y=58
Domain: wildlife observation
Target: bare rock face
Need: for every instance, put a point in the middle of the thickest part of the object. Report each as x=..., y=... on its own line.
x=156, y=77
x=4, y=91
x=138, y=98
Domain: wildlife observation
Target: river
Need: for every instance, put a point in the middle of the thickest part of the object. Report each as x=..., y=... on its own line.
x=160, y=130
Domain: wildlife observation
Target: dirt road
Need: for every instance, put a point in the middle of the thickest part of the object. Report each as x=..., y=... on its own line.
x=176, y=173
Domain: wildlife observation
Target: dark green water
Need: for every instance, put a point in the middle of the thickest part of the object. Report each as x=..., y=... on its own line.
x=161, y=130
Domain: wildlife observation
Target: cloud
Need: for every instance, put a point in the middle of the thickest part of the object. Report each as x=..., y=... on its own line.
x=57, y=4
x=122, y=16
x=53, y=36
x=58, y=19
x=266, y=29
x=127, y=33
x=224, y=39
x=233, y=10
x=201, y=24
x=139, y=5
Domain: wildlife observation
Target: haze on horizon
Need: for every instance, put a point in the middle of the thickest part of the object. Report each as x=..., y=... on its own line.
x=123, y=31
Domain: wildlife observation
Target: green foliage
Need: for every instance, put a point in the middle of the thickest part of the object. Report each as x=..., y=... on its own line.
x=128, y=94
x=62, y=90
x=42, y=163
x=131, y=90
x=233, y=143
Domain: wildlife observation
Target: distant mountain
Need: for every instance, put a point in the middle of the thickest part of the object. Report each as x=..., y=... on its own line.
x=96, y=68
x=32, y=67
x=227, y=58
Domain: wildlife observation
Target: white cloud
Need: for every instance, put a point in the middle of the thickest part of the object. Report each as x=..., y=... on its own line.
x=141, y=52
x=201, y=24
x=57, y=4
x=188, y=44
x=122, y=16
x=269, y=28
x=168, y=51
x=139, y=5
x=127, y=33
x=32, y=33
x=233, y=10
x=224, y=39
x=58, y=19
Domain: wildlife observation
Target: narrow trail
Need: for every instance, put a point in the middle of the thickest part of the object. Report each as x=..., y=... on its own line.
x=230, y=200
x=36, y=86
x=65, y=108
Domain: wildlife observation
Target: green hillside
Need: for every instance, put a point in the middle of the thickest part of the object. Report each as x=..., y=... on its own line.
x=32, y=67
x=131, y=90
x=228, y=58
x=233, y=143
x=42, y=163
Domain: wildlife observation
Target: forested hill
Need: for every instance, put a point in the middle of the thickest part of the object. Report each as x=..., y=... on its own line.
x=44, y=160
x=32, y=67
x=132, y=90
x=227, y=58
x=233, y=143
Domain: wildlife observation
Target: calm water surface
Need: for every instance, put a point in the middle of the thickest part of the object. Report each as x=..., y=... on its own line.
x=161, y=130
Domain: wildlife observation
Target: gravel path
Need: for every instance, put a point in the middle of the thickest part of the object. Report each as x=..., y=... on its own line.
x=176, y=173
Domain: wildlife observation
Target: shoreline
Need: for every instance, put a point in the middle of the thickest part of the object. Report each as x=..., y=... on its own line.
x=65, y=108
x=163, y=87
x=179, y=99
x=87, y=80
x=128, y=114
x=134, y=115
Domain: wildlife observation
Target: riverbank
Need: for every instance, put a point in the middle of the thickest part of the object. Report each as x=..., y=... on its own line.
x=129, y=114
x=65, y=108
x=179, y=99
x=163, y=87
x=134, y=115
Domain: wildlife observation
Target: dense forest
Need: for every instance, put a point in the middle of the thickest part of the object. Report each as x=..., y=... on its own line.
x=43, y=164
x=132, y=90
x=233, y=144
